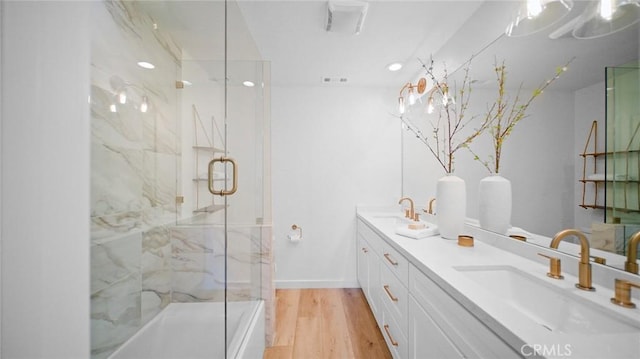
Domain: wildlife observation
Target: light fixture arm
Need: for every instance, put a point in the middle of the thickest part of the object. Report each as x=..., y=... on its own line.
x=420, y=87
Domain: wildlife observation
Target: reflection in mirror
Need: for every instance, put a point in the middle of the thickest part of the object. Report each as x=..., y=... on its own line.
x=542, y=156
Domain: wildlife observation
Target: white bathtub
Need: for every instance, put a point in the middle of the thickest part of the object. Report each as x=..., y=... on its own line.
x=196, y=330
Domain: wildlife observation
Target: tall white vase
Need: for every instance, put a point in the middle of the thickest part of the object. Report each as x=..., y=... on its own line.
x=451, y=197
x=494, y=200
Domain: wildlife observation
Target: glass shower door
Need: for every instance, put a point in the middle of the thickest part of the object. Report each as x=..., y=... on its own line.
x=247, y=210
x=224, y=206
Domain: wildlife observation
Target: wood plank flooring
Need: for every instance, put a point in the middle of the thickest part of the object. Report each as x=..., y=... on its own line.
x=325, y=323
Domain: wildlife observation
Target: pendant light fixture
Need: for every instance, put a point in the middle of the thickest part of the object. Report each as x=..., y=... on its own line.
x=605, y=17
x=537, y=15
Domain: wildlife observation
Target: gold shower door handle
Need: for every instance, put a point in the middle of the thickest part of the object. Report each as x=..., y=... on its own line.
x=223, y=192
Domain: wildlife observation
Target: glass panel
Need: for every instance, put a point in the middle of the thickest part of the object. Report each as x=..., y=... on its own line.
x=623, y=143
x=248, y=215
x=151, y=254
x=623, y=150
x=165, y=250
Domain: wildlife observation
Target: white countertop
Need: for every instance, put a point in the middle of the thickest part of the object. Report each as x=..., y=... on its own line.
x=437, y=258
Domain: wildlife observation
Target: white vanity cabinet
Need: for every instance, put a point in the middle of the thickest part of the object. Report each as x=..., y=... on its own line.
x=369, y=274
x=426, y=337
x=418, y=319
x=394, y=294
x=451, y=331
x=383, y=276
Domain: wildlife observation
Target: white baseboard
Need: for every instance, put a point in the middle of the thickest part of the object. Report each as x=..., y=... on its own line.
x=301, y=284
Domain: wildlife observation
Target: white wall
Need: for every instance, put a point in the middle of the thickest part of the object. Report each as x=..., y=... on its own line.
x=1, y=98
x=589, y=105
x=332, y=148
x=45, y=180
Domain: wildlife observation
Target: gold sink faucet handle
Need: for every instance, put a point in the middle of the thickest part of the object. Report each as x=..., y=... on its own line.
x=430, y=210
x=599, y=260
x=631, y=265
x=623, y=293
x=555, y=268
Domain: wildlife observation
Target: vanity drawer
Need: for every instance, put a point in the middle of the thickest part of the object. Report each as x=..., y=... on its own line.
x=397, y=263
x=470, y=335
x=396, y=340
x=395, y=297
x=370, y=236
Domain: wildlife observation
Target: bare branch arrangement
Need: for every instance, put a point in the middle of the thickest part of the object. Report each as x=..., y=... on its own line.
x=505, y=113
x=449, y=126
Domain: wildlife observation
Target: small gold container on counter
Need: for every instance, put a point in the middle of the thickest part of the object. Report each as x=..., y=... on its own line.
x=465, y=240
x=518, y=237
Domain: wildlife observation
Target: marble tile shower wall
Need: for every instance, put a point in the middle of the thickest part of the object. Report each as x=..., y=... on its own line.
x=135, y=158
x=198, y=263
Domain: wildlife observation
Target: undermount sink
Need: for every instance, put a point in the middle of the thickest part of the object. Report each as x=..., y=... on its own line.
x=554, y=308
x=394, y=219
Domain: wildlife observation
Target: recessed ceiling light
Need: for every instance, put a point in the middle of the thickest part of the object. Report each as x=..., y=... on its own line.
x=394, y=66
x=146, y=65
x=248, y=83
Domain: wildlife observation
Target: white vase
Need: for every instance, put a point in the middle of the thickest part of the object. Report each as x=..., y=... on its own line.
x=451, y=198
x=494, y=200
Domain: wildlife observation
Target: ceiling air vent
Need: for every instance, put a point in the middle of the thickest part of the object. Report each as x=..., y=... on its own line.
x=346, y=16
x=334, y=80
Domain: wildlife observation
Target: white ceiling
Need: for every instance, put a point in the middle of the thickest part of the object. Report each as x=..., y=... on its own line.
x=291, y=35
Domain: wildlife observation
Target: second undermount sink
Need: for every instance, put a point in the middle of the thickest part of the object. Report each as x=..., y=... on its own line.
x=556, y=309
x=398, y=219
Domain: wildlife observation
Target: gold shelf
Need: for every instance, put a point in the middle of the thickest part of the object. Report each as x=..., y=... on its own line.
x=210, y=209
x=609, y=181
x=209, y=149
x=596, y=154
x=619, y=209
x=207, y=180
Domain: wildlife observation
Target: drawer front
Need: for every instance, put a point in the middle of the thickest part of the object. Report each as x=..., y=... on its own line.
x=370, y=236
x=397, y=264
x=470, y=336
x=426, y=338
x=395, y=297
x=396, y=340
x=363, y=249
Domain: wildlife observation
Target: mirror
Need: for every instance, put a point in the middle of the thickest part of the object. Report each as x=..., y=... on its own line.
x=541, y=157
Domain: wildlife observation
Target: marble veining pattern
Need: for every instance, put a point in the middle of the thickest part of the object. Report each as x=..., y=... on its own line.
x=198, y=262
x=115, y=292
x=156, y=271
x=135, y=159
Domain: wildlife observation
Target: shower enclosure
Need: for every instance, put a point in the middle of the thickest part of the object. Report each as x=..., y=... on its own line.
x=180, y=191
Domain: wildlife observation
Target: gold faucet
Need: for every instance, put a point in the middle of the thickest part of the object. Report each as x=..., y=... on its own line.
x=584, y=267
x=623, y=293
x=632, y=254
x=411, y=214
x=430, y=210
